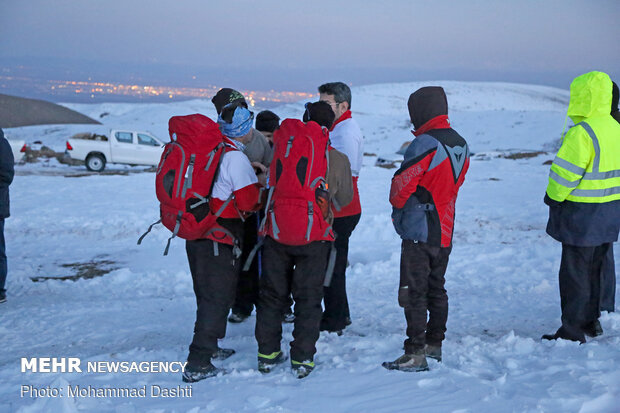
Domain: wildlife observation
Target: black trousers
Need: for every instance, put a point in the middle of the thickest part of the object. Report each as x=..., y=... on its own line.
x=214, y=273
x=608, y=282
x=336, y=301
x=286, y=269
x=3, y=264
x=422, y=293
x=581, y=276
x=247, y=287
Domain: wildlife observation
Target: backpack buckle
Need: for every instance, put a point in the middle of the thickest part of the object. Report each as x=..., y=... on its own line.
x=289, y=145
x=310, y=220
x=426, y=207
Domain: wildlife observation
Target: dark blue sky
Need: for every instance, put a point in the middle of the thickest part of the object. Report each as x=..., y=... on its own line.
x=295, y=45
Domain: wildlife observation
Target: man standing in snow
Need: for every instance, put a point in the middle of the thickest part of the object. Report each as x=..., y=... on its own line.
x=423, y=194
x=215, y=260
x=584, y=204
x=7, y=172
x=266, y=123
x=259, y=152
x=291, y=265
x=608, y=276
x=346, y=137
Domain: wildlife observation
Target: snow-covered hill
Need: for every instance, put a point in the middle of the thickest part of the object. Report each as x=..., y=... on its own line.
x=501, y=280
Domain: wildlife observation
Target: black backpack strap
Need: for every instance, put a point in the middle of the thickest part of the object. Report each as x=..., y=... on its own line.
x=267, y=206
x=248, y=261
x=219, y=148
x=331, y=263
x=175, y=232
x=147, y=231
x=310, y=219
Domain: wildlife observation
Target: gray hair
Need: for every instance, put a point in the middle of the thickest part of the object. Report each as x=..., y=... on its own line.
x=340, y=91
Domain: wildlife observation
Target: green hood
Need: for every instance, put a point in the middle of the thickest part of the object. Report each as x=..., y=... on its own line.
x=590, y=95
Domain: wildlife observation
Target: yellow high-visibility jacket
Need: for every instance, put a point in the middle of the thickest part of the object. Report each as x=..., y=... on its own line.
x=584, y=181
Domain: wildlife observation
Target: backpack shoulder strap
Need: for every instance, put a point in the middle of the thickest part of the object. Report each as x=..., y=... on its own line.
x=220, y=148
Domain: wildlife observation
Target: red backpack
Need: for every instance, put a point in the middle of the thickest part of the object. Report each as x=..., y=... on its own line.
x=185, y=177
x=297, y=173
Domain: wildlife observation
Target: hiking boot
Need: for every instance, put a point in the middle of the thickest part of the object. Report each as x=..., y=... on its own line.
x=266, y=362
x=222, y=353
x=325, y=327
x=408, y=362
x=338, y=332
x=288, y=316
x=433, y=352
x=566, y=334
x=347, y=321
x=593, y=329
x=302, y=368
x=193, y=374
x=237, y=317
x=2, y=296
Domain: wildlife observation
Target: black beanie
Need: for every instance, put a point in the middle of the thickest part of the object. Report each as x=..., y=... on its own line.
x=225, y=96
x=427, y=103
x=267, y=121
x=614, y=97
x=320, y=112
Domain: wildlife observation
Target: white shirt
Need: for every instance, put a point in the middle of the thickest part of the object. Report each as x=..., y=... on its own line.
x=236, y=172
x=347, y=138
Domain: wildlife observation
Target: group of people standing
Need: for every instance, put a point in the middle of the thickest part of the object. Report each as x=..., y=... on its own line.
x=423, y=194
x=583, y=196
x=289, y=273
x=234, y=269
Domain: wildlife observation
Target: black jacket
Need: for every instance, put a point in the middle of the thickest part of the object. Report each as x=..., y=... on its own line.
x=7, y=171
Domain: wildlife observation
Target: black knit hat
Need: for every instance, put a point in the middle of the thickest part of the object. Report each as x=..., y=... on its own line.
x=267, y=121
x=320, y=112
x=614, y=97
x=225, y=96
x=427, y=103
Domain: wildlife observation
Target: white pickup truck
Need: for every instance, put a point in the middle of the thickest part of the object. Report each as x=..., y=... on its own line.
x=121, y=146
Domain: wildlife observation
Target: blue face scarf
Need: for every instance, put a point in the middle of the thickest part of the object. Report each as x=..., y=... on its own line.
x=240, y=125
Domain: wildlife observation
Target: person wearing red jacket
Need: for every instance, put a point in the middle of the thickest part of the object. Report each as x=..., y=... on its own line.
x=345, y=136
x=215, y=261
x=259, y=152
x=423, y=195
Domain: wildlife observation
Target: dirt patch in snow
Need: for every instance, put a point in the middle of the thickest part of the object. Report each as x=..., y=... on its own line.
x=82, y=270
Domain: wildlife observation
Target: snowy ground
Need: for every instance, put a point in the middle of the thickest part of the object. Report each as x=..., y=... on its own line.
x=502, y=280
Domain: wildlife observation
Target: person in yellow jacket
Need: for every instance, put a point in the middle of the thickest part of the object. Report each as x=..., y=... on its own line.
x=584, y=204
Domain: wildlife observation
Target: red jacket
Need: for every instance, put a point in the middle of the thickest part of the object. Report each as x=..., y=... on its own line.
x=425, y=187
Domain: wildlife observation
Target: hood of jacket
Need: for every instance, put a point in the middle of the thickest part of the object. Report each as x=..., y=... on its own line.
x=590, y=95
x=427, y=103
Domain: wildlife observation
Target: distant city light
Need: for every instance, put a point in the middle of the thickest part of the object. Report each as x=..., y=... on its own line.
x=99, y=90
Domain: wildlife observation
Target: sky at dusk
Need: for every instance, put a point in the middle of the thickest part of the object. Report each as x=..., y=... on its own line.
x=294, y=45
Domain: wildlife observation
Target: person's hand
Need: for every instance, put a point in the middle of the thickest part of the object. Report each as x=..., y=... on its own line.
x=262, y=178
x=259, y=167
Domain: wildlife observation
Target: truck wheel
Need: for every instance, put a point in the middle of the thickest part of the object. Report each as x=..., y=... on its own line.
x=95, y=163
